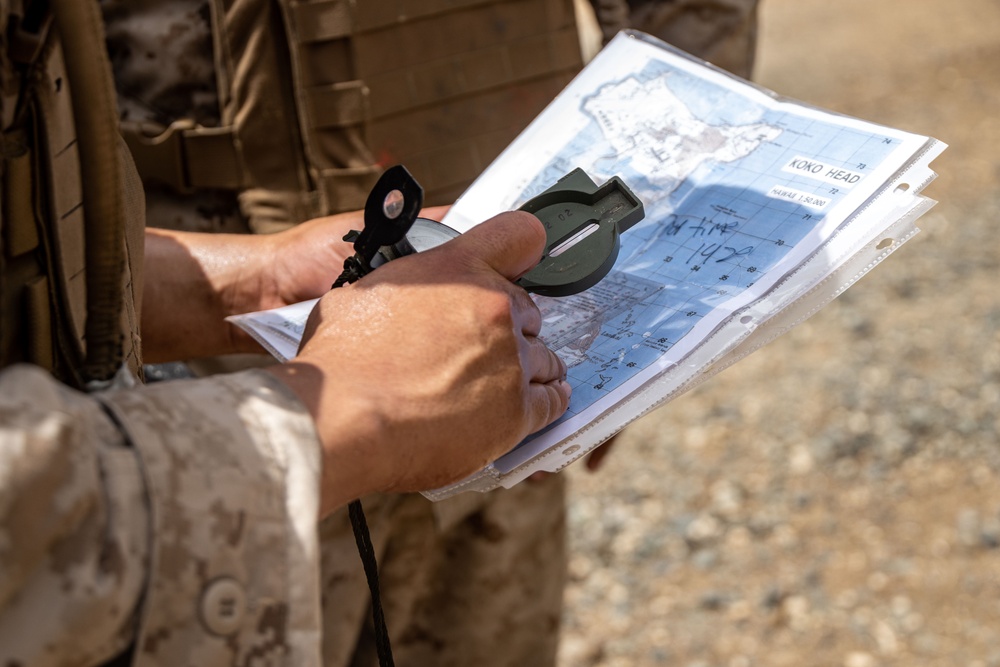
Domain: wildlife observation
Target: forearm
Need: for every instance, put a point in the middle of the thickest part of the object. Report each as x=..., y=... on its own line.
x=192, y=282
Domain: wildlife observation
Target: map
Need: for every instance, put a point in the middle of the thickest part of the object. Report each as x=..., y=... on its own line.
x=751, y=203
x=739, y=189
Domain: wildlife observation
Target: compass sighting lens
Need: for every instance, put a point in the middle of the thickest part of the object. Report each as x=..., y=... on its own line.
x=392, y=206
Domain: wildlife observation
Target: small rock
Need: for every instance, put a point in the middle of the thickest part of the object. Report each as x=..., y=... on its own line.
x=713, y=601
x=859, y=659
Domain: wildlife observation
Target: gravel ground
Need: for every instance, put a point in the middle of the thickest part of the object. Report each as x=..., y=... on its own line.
x=832, y=499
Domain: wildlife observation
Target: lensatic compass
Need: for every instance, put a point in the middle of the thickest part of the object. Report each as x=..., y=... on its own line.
x=583, y=225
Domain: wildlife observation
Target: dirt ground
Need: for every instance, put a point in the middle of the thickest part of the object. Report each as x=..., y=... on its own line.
x=832, y=499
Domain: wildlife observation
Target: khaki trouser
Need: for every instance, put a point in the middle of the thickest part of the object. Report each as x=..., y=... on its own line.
x=472, y=580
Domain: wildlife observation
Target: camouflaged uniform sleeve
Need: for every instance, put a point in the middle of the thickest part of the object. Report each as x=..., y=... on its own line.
x=179, y=516
x=73, y=536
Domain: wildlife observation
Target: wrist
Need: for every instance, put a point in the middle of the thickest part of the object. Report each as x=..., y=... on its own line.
x=243, y=282
x=193, y=282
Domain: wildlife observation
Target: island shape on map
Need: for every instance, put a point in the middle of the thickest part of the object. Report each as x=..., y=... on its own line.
x=665, y=141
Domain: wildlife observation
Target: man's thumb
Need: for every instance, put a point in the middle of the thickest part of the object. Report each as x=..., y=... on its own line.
x=511, y=243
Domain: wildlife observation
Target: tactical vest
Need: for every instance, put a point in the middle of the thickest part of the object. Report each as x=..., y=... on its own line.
x=317, y=97
x=71, y=205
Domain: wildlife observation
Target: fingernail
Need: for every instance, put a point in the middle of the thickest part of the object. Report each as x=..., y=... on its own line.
x=565, y=386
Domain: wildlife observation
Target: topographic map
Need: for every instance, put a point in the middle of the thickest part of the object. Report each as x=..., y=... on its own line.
x=713, y=225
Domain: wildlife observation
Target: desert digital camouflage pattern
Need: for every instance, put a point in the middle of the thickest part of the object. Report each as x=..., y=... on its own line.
x=474, y=580
x=178, y=518
x=162, y=57
x=723, y=32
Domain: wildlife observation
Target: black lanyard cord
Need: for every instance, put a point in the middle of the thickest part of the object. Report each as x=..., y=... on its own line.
x=367, y=553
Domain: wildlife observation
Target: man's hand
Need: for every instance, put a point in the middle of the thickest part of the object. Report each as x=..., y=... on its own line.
x=194, y=281
x=303, y=262
x=430, y=367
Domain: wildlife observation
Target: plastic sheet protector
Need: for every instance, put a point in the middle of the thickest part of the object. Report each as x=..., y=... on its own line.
x=759, y=210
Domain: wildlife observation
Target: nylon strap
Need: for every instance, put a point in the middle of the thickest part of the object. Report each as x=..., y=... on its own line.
x=321, y=21
x=338, y=104
x=20, y=234
x=185, y=157
x=333, y=139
